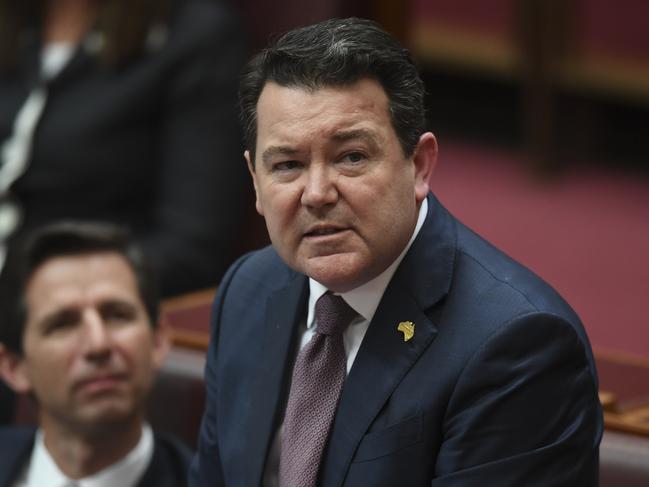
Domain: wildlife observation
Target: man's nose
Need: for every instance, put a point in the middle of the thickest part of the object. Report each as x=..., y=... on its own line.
x=95, y=337
x=319, y=188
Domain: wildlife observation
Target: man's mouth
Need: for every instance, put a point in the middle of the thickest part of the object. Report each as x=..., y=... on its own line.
x=324, y=230
x=101, y=382
x=321, y=231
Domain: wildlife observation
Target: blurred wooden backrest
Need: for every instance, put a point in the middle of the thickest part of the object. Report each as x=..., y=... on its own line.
x=594, y=46
x=189, y=318
x=467, y=35
x=178, y=398
x=623, y=460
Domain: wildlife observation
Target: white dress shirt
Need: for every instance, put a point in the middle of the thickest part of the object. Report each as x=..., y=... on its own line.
x=42, y=470
x=364, y=300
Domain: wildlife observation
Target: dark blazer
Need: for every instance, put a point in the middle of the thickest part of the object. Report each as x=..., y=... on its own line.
x=152, y=144
x=168, y=467
x=7, y=404
x=496, y=388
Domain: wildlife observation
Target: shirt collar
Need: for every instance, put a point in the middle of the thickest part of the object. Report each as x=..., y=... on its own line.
x=44, y=472
x=365, y=298
x=42, y=469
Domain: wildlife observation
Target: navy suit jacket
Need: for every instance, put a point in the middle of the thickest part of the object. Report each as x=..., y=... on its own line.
x=497, y=387
x=168, y=466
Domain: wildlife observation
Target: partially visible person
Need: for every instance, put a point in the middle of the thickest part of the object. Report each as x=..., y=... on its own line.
x=125, y=111
x=81, y=335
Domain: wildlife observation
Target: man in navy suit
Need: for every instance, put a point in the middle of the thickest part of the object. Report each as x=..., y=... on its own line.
x=80, y=334
x=462, y=367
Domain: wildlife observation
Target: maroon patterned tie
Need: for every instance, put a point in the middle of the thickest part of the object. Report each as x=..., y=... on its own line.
x=318, y=376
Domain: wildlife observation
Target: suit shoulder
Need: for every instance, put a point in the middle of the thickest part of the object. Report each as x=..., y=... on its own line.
x=173, y=447
x=12, y=436
x=16, y=443
x=494, y=271
x=170, y=463
x=261, y=270
x=492, y=295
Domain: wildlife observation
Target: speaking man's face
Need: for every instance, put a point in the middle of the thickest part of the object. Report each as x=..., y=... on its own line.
x=90, y=352
x=339, y=197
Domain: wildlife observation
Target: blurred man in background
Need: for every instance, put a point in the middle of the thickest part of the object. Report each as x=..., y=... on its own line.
x=81, y=335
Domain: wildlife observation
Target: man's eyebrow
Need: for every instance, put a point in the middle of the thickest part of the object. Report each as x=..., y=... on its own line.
x=367, y=136
x=117, y=303
x=277, y=150
x=73, y=311
x=49, y=319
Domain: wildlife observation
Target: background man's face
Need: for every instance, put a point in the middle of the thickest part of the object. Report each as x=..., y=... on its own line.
x=339, y=198
x=90, y=353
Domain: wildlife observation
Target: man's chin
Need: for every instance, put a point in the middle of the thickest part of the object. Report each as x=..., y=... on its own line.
x=106, y=414
x=338, y=272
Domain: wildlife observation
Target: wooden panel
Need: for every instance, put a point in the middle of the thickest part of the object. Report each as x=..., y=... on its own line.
x=189, y=318
x=624, y=380
x=469, y=34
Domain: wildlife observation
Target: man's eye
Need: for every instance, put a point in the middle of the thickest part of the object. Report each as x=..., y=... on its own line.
x=62, y=322
x=354, y=157
x=286, y=166
x=118, y=313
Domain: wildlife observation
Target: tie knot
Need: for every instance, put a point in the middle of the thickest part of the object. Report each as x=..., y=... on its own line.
x=333, y=314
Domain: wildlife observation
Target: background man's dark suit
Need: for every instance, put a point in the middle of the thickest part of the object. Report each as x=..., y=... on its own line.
x=496, y=388
x=151, y=145
x=168, y=467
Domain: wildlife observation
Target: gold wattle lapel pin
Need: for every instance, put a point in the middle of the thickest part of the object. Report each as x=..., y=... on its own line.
x=408, y=330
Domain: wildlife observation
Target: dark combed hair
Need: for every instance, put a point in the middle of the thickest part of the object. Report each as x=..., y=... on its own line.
x=338, y=52
x=124, y=23
x=59, y=240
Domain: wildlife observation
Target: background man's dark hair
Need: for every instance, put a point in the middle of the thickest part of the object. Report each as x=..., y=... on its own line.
x=59, y=240
x=338, y=52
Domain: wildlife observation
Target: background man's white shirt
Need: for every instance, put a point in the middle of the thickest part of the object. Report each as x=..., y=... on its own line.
x=42, y=471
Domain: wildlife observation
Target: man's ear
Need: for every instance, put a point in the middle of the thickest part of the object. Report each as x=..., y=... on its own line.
x=253, y=174
x=425, y=159
x=161, y=343
x=12, y=370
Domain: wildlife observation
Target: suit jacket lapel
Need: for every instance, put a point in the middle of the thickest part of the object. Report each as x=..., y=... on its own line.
x=285, y=310
x=15, y=449
x=382, y=361
x=423, y=279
